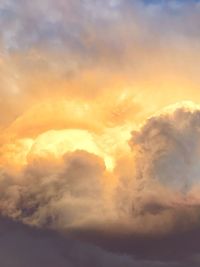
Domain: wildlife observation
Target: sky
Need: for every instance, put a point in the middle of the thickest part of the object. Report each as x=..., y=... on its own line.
x=99, y=133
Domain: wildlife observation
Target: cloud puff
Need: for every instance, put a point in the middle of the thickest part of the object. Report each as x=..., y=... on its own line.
x=168, y=149
x=164, y=184
x=55, y=194
x=156, y=191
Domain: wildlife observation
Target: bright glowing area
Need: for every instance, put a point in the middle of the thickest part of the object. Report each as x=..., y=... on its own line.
x=57, y=143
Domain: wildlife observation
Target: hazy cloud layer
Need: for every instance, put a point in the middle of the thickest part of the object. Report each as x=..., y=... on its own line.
x=22, y=246
x=88, y=49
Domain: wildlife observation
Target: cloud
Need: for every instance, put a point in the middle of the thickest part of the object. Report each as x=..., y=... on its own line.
x=43, y=248
x=168, y=149
x=149, y=200
x=157, y=181
x=55, y=194
x=31, y=247
x=94, y=49
x=97, y=70
x=164, y=184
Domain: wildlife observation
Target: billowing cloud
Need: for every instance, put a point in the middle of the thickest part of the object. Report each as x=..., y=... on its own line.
x=168, y=149
x=157, y=180
x=80, y=149
x=55, y=193
x=154, y=191
x=164, y=184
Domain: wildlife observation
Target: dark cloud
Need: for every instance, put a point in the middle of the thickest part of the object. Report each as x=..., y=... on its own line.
x=178, y=248
x=22, y=246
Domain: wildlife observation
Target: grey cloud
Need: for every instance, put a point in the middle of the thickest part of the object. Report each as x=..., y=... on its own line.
x=168, y=149
x=22, y=246
x=163, y=189
x=94, y=27
x=54, y=195
x=54, y=42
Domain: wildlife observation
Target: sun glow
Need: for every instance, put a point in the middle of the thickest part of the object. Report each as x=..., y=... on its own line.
x=60, y=142
x=51, y=129
x=56, y=143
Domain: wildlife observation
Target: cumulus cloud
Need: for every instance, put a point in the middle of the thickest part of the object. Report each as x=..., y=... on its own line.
x=168, y=149
x=164, y=183
x=88, y=68
x=55, y=194
x=157, y=180
x=61, y=195
x=155, y=196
